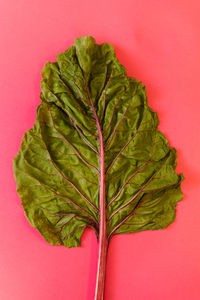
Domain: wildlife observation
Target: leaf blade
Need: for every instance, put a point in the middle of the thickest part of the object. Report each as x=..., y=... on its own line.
x=87, y=93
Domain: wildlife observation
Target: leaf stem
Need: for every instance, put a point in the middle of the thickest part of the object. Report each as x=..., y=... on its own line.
x=101, y=269
x=103, y=240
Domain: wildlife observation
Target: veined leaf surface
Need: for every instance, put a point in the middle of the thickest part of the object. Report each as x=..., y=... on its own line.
x=58, y=166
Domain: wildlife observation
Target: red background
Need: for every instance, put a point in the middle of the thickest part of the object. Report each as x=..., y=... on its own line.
x=159, y=43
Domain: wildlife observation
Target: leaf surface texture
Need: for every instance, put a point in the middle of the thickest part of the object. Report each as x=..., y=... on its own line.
x=57, y=168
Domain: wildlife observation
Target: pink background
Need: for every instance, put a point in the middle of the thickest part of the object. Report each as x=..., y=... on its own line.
x=159, y=43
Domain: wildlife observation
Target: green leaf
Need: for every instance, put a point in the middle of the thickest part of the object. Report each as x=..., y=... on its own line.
x=60, y=167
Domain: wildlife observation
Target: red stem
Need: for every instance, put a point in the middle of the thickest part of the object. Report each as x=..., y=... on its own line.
x=103, y=240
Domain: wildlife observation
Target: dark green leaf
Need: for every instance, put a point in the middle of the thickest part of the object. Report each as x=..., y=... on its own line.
x=57, y=167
